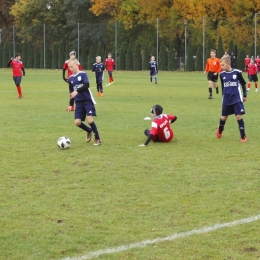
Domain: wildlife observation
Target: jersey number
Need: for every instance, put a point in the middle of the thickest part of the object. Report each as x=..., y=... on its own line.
x=167, y=133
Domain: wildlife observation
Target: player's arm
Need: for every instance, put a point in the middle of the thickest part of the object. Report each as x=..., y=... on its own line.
x=243, y=85
x=222, y=84
x=172, y=118
x=9, y=63
x=63, y=75
x=23, y=71
x=93, y=68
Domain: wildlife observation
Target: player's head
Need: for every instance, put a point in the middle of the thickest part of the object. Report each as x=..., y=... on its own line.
x=252, y=60
x=232, y=53
x=152, y=58
x=73, y=65
x=109, y=55
x=213, y=53
x=225, y=63
x=72, y=54
x=156, y=110
x=18, y=56
x=98, y=59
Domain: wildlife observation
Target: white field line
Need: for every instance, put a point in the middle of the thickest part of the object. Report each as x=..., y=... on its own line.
x=162, y=239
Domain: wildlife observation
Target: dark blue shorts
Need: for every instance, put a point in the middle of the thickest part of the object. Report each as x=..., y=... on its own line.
x=17, y=80
x=153, y=73
x=237, y=109
x=253, y=78
x=84, y=109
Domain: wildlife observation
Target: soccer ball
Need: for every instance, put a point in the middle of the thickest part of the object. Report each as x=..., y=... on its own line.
x=63, y=142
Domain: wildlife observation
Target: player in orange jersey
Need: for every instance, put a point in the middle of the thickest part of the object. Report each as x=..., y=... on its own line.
x=212, y=68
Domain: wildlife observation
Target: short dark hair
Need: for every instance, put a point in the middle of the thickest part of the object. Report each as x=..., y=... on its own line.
x=156, y=110
x=17, y=55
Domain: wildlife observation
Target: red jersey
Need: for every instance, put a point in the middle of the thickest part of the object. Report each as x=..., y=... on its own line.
x=17, y=67
x=109, y=64
x=247, y=61
x=213, y=65
x=252, y=69
x=161, y=128
x=66, y=67
x=257, y=61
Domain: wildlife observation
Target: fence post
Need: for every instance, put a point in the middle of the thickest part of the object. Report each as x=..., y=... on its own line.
x=44, y=54
x=13, y=41
x=116, y=44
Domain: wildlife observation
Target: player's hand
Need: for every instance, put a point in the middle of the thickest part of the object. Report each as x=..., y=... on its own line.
x=73, y=94
x=141, y=145
x=244, y=99
x=11, y=58
x=69, y=108
x=66, y=80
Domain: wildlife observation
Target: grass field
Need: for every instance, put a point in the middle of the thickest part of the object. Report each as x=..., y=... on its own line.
x=59, y=204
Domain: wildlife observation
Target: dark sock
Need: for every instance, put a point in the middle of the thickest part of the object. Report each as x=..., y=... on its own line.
x=97, y=87
x=155, y=79
x=94, y=129
x=101, y=87
x=85, y=128
x=147, y=132
x=221, y=125
x=151, y=79
x=241, y=126
x=210, y=91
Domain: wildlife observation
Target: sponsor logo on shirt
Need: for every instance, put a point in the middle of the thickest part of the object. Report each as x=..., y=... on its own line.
x=230, y=84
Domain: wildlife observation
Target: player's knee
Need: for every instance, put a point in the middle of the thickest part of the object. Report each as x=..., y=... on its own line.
x=90, y=120
x=77, y=122
x=17, y=84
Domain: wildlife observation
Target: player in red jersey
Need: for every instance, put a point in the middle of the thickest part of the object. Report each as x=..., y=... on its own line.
x=247, y=61
x=72, y=55
x=18, y=72
x=110, y=67
x=161, y=130
x=257, y=61
x=252, y=75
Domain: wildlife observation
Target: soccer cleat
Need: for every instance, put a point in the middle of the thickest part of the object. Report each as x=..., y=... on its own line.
x=217, y=90
x=20, y=97
x=256, y=90
x=112, y=82
x=97, y=142
x=155, y=82
x=248, y=89
x=101, y=94
x=98, y=93
x=210, y=97
x=218, y=134
x=88, y=138
x=243, y=140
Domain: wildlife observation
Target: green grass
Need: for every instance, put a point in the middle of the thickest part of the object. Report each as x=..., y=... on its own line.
x=64, y=203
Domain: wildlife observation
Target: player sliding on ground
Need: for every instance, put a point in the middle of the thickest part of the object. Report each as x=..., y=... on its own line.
x=161, y=130
x=232, y=100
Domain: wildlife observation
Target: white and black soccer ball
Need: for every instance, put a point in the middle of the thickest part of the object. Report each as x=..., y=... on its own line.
x=63, y=142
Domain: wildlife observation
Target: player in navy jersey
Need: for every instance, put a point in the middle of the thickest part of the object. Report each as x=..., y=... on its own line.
x=79, y=89
x=232, y=98
x=99, y=68
x=153, y=68
x=161, y=130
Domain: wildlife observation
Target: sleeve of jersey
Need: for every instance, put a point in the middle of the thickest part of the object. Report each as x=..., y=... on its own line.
x=172, y=118
x=93, y=68
x=80, y=67
x=222, y=84
x=243, y=84
x=207, y=67
x=219, y=67
x=65, y=65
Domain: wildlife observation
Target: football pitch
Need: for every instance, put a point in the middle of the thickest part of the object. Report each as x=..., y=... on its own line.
x=196, y=197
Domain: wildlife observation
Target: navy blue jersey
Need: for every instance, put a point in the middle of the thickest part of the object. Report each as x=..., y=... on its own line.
x=98, y=68
x=231, y=81
x=76, y=82
x=153, y=66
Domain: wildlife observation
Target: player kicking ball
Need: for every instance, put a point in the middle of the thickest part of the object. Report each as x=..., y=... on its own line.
x=161, y=130
x=232, y=100
x=85, y=103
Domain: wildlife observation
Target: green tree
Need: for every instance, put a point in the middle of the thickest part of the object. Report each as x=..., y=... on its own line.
x=122, y=56
x=129, y=58
x=137, y=58
x=48, y=57
x=30, y=53
x=6, y=57
x=62, y=54
x=231, y=47
x=220, y=51
x=171, y=58
x=91, y=56
x=190, y=64
x=36, y=58
x=163, y=58
x=146, y=58
x=199, y=59
x=241, y=59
